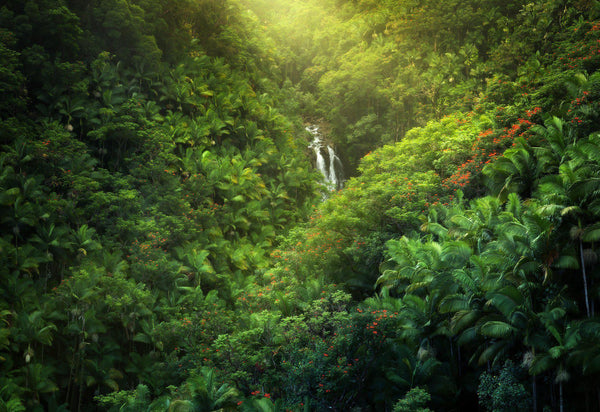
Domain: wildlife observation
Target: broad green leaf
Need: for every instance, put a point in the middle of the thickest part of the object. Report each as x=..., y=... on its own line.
x=496, y=329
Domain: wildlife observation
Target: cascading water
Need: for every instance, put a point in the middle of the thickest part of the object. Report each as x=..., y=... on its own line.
x=332, y=176
x=334, y=168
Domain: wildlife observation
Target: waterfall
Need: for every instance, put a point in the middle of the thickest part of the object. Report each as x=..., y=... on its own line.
x=320, y=161
x=332, y=175
x=333, y=179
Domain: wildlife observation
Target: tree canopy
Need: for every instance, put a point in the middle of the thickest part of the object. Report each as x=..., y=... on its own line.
x=166, y=242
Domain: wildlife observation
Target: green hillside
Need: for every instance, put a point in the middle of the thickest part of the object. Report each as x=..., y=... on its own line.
x=166, y=242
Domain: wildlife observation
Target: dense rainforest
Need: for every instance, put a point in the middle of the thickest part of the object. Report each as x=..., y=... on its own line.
x=167, y=243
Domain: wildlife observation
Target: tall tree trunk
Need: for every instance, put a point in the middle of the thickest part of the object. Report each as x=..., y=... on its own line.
x=592, y=305
x=560, y=397
x=534, y=394
x=585, y=288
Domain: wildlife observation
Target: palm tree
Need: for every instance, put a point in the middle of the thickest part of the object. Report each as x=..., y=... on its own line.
x=572, y=196
x=511, y=324
x=555, y=138
x=517, y=171
x=476, y=225
x=562, y=337
x=83, y=240
x=196, y=263
x=206, y=394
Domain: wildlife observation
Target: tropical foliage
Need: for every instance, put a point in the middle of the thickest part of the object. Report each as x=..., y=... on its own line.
x=165, y=243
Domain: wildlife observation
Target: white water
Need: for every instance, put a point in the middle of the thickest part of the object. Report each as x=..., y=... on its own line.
x=332, y=175
x=333, y=178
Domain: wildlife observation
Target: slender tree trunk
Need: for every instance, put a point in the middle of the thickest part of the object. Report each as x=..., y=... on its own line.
x=560, y=397
x=459, y=360
x=585, y=288
x=592, y=305
x=534, y=394
x=80, y=399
